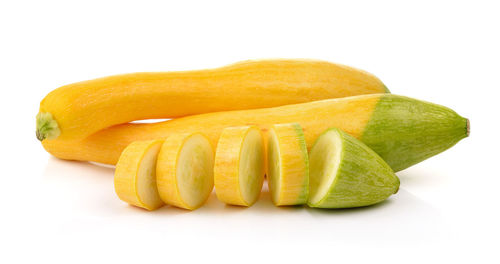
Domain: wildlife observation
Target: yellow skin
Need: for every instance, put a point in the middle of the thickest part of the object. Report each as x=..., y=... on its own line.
x=83, y=108
x=239, y=165
x=135, y=177
x=350, y=114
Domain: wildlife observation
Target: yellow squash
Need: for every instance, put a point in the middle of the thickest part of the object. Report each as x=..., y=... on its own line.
x=402, y=130
x=78, y=110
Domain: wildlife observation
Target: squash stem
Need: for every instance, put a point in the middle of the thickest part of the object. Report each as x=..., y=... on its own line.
x=46, y=126
x=468, y=127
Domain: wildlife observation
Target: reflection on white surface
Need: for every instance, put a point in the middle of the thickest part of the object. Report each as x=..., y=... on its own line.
x=86, y=190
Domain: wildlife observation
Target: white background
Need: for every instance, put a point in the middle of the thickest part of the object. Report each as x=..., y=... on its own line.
x=67, y=212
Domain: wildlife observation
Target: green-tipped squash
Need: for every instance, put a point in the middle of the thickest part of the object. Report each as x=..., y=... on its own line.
x=402, y=130
x=346, y=173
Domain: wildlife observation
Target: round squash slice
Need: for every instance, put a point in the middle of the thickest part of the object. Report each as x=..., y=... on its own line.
x=185, y=170
x=135, y=175
x=239, y=165
x=288, y=165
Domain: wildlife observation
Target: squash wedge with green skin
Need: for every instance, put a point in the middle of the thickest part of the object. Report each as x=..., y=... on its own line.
x=135, y=175
x=288, y=165
x=402, y=130
x=345, y=173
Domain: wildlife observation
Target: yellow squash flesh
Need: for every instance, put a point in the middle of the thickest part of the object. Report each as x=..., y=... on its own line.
x=80, y=109
x=135, y=175
x=239, y=165
x=288, y=165
x=185, y=170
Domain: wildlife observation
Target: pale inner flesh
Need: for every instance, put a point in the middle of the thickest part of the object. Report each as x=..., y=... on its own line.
x=195, y=178
x=251, y=166
x=146, y=178
x=324, y=160
x=274, y=163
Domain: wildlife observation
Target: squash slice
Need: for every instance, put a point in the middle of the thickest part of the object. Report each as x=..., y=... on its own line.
x=288, y=165
x=135, y=175
x=185, y=170
x=239, y=165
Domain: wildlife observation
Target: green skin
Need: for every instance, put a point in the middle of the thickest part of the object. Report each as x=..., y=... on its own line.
x=363, y=178
x=386, y=89
x=406, y=131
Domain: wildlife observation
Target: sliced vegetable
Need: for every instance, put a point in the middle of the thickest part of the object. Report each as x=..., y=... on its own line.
x=185, y=170
x=345, y=173
x=239, y=165
x=288, y=165
x=135, y=175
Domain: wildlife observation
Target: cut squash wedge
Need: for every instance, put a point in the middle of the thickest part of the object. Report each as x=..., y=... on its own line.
x=345, y=173
x=288, y=165
x=185, y=170
x=135, y=175
x=239, y=165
